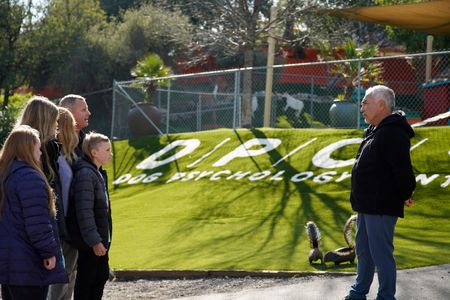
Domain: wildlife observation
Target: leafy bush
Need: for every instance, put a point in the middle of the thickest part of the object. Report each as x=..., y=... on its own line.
x=9, y=114
x=7, y=119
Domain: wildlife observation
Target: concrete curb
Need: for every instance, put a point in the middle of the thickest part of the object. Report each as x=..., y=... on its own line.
x=190, y=274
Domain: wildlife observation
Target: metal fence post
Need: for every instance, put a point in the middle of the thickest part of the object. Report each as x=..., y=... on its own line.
x=112, y=128
x=168, y=107
x=113, y=117
x=358, y=102
x=199, y=113
x=311, y=103
x=237, y=104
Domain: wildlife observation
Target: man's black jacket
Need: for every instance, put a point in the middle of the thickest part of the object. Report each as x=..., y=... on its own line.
x=382, y=176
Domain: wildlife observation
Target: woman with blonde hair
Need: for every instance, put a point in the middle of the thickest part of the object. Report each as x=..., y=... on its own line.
x=67, y=135
x=30, y=254
x=68, y=139
x=42, y=114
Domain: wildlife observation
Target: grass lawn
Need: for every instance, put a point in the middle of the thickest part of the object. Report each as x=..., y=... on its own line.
x=258, y=224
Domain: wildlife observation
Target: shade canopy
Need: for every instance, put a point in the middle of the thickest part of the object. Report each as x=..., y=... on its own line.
x=432, y=17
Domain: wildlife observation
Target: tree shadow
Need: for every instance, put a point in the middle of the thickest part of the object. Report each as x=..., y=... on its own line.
x=301, y=196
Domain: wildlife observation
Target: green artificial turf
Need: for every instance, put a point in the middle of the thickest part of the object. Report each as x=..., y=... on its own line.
x=259, y=225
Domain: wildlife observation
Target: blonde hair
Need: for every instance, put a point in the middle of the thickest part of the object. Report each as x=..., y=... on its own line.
x=19, y=145
x=91, y=141
x=67, y=134
x=41, y=114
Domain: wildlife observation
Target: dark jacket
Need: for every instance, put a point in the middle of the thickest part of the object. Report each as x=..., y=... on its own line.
x=382, y=176
x=53, y=151
x=79, y=148
x=27, y=231
x=89, y=215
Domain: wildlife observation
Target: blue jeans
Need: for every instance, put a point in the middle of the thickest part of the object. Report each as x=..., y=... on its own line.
x=375, y=248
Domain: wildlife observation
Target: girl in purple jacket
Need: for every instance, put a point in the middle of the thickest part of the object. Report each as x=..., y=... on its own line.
x=30, y=253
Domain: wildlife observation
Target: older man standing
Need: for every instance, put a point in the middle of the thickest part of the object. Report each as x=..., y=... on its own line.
x=382, y=184
x=78, y=107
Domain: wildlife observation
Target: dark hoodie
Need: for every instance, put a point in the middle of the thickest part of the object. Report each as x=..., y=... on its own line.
x=382, y=176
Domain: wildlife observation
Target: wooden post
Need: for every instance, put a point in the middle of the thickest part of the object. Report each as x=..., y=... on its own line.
x=429, y=58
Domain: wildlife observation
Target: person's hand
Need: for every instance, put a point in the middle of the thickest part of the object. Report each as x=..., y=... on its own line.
x=409, y=202
x=99, y=249
x=49, y=263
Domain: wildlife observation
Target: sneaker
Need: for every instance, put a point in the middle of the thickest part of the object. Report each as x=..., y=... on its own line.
x=348, y=297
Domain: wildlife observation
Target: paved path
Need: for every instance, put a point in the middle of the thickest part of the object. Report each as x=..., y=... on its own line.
x=422, y=283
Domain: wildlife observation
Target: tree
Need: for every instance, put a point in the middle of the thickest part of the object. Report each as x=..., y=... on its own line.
x=13, y=47
x=237, y=30
x=139, y=31
x=81, y=50
x=114, y=7
x=150, y=67
x=64, y=52
x=227, y=29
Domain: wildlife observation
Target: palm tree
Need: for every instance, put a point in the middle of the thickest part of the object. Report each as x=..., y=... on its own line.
x=367, y=70
x=145, y=118
x=149, y=70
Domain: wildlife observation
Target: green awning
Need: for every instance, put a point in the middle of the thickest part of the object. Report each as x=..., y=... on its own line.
x=432, y=17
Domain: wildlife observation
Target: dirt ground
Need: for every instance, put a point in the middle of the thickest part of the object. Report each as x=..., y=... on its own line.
x=176, y=288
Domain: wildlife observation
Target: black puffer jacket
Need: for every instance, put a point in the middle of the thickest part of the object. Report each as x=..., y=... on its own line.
x=382, y=176
x=53, y=151
x=89, y=214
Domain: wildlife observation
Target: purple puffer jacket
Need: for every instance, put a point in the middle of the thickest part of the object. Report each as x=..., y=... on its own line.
x=28, y=231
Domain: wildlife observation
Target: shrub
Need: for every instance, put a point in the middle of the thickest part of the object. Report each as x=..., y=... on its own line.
x=9, y=114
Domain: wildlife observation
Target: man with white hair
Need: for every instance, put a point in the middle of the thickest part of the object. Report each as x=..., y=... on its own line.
x=382, y=184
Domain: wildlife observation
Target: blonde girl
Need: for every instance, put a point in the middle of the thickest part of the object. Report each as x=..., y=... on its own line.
x=30, y=253
x=67, y=135
x=68, y=139
x=42, y=115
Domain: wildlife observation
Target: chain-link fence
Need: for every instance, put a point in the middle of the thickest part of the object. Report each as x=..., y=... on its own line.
x=308, y=95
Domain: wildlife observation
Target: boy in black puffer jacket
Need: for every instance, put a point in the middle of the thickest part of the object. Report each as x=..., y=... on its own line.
x=89, y=217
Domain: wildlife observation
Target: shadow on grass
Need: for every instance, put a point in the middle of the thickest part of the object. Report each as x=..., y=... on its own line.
x=294, y=207
x=269, y=233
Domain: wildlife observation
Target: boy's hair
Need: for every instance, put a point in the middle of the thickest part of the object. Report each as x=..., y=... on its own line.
x=91, y=142
x=67, y=134
x=19, y=145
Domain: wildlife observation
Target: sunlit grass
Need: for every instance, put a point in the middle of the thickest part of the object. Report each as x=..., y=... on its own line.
x=239, y=224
